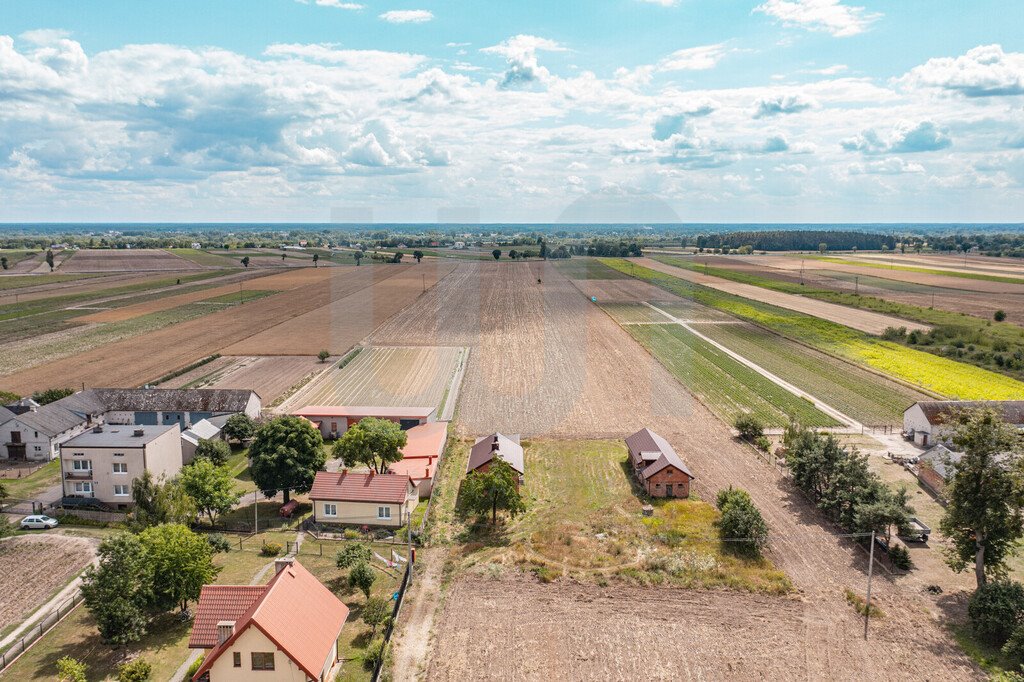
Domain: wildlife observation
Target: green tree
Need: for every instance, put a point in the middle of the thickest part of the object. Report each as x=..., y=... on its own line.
x=889, y=510
x=353, y=553
x=996, y=609
x=139, y=670
x=51, y=395
x=362, y=577
x=418, y=255
x=182, y=563
x=4, y=263
x=118, y=589
x=373, y=442
x=214, y=450
x=358, y=255
x=741, y=526
x=376, y=612
x=513, y=254
x=749, y=426
x=983, y=520
x=822, y=247
x=316, y=260
x=999, y=315
x=240, y=427
x=285, y=456
x=323, y=355
x=544, y=250
x=210, y=486
x=159, y=501
x=71, y=670
x=245, y=261
x=49, y=259
x=494, y=489
x=496, y=253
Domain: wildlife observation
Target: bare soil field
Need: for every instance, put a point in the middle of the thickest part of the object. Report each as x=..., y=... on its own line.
x=269, y=376
x=863, y=320
x=47, y=289
x=976, y=264
x=134, y=361
x=48, y=563
x=622, y=290
x=391, y=376
x=125, y=260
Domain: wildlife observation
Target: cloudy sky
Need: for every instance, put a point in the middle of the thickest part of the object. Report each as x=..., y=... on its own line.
x=526, y=111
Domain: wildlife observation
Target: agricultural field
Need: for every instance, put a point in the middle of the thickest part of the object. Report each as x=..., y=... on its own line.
x=390, y=376
x=588, y=268
x=204, y=258
x=54, y=561
x=124, y=260
x=270, y=376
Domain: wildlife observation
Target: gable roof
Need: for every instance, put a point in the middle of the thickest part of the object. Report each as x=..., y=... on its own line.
x=51, y=419
x=648, y=448
x=346, y=486
x=217, y=603
x=201, y=430
x=5, y=414
x=937, y=412
x=175, y=399
x=352, y=411
x=296, y=612
x=425, y=440
x=500, y=445
x=942, y=460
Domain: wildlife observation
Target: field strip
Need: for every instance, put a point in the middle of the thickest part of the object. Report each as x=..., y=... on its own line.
x=451, y=396
x=686, y=321
x=827, y=409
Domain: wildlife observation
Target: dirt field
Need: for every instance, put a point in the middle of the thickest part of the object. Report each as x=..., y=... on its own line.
x=390, y=376
x=270, y=376
x=863, y=320
x=50, y=560
x=125, y=260
x=1010, y=267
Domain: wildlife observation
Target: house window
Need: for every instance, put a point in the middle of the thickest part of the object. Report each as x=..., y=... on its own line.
x=120, y=467
x=263, y=660
x=39, y=448
x=81, y=465
x=83, y=488
x=237, y=659
x=657, y=485
x=118, y=454
x=383, y=512
x=330, y=510
x=121, y=491
x=77, y=454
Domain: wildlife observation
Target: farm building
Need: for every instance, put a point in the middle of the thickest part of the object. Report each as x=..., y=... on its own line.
x=935, y=468
x=358, y=499
x=421, y=454
x=285, y=630
x=34, y=432
x=497, y=446
x=334, y=421
x=657, y=466
x=102, y=463
x=926, y=422
x=204, y=429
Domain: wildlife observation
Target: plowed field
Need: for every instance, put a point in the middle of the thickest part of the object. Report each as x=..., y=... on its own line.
x=50, y=561
x=125, y=260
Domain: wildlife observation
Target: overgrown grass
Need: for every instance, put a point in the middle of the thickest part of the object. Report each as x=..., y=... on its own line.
x=587, y=268
x=31, y=485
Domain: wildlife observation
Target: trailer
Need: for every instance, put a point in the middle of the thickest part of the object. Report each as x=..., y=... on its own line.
x=917, y=531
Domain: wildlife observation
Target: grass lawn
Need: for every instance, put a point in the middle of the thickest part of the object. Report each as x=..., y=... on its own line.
x=584, y=521
x=36, y=482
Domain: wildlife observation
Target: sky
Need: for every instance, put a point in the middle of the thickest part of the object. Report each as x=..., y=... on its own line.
x=512, y=111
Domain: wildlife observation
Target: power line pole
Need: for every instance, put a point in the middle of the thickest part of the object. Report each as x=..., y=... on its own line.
x=856, y=285
x=871, y=565
x=256, y=510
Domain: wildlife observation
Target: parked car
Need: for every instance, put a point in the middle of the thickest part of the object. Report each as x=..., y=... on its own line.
x=38, y=522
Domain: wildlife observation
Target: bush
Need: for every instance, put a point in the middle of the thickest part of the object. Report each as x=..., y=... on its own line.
x=741, y=519
x=218, y=542
x=352, y=534
x=999, y=316
x=217, y=451
x=353, y=554
x=194, y=668
x=376, y=652
x=70, y=670
x=900, y=557
x=362, y=577
x=763, y=444
x=749, y=426
x=995, y=610
x=1014, y=647
x=894, y=334
x=271, y=549
x=138, y=670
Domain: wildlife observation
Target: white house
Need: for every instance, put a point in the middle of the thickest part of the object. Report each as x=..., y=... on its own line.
x=926, y=422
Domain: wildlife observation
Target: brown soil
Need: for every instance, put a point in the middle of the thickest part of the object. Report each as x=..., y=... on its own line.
x=38, y=566
x=125, y=260
x=268, y=376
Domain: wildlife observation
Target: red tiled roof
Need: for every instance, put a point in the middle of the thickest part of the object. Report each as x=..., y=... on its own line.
x=346, y=486
x=417, y=468
x=301, y=616
x=311, y=411
x=425, y=440
x=217, y=603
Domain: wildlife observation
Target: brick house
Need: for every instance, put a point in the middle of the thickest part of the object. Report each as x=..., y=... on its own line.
x=656, y=465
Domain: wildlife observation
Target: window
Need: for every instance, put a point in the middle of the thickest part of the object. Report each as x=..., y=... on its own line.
x=83, y=488
x=263, y=660
x=383, y=512
x=120, y=468
x=238, y=659
x=121, y=491
x=39, y=448
x=118, y=454
x=330, y=510
x=657, y=485
x=81, y=465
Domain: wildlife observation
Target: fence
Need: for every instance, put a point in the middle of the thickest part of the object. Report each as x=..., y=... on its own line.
x=17, y=505
x=394, y=619
x=325, y=531
x=88, y=514
x=38, y=630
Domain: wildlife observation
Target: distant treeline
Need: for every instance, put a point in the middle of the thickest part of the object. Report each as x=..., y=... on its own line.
x=797, y=240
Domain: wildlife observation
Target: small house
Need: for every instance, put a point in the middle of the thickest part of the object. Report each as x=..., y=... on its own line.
x=288, y=629
x=422, y=451
x=333, y=421
x=656, y=465
x=363, y=499
x=935, y=468
x=497, y=446
x=927, y=422
x=202, y=430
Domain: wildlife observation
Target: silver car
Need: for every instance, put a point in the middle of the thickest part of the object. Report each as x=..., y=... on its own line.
x=38, y=523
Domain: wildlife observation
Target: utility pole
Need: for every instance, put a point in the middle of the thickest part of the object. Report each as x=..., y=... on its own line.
x=256, y=510
x=856, y=285
x=801, y=271
x=871, y=565
x=424, y=283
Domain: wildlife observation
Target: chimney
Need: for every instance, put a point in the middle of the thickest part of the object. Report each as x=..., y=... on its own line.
x=97, y=429
x=138, y=433
x=225, y=629
x=281, y=564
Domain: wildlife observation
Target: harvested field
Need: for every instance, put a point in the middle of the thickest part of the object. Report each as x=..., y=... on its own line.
x=625, y=290
x=862, y=320
x=270, y=376
x=51, y=561
x=588, y=268
x=996, y=266
x=125, y=260
x=390, y=376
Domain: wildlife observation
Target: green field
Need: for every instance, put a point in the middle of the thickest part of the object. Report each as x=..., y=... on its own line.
x=1006, y=279
x=23, y=281
x=728, y=387
x=205, y=258
x=587, y=268
x=937, y=374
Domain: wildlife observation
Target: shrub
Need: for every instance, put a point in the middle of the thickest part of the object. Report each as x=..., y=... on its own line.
x=763, y=444
x=138, y=670
x=894, y=334
x=271, y=549
x=749, y=426
x=999, y=316
x=70, y=670
x=741, y=519
x=376, y=653
x=900, y=557
x=351, y=534
x=544, y=574
x=218, y=542
x=1014, y=647
x=995, y=610
x=362, y=577
x=194, y=668
x=217, y=451
x=352, y=554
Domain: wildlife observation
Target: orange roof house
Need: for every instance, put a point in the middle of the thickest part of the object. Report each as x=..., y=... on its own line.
x=421, y=454
x=657, y=466
x=287, y=629
x=359, y=499
x=334, y=420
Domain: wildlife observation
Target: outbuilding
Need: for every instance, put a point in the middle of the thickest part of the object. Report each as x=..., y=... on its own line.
x=656, y=465
x=927, y=422
x=334, y=420
x=497, y=446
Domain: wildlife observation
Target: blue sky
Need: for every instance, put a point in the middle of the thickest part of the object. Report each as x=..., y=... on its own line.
x=696, y=110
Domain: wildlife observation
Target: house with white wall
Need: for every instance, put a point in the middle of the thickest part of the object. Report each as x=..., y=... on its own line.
x=363, y=499
x=928, y=422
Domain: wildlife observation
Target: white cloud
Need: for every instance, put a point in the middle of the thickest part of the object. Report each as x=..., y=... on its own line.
x=833, y=70
x=407, y=16
x=905, y=138
x=891, y=166
x=831, y=16
x=699, y=58
x=663, y=3
x=337, y=4
x=520, y=53
x=985, y=71
x=780, y=104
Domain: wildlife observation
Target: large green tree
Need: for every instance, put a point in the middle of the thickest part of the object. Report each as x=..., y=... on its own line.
x=374, y=443
x=214, y=450
x=118, y=589
x=182, y=562
x=159, y=501
x=741, y=526
x=493, y=490
x=285, y=456
x=210, y=486
x=51, y=395
x=983, y=520
x=240, y=427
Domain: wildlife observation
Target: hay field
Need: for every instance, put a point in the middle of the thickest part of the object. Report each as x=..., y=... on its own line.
x=124, y=260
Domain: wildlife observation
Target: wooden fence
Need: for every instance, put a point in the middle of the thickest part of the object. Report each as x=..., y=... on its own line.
x=38, y=630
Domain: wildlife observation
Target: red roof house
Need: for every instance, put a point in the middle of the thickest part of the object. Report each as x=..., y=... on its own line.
x=421, y=453
x=334, y=420
x=369, y=499
x=287, y=629
x=657, y=466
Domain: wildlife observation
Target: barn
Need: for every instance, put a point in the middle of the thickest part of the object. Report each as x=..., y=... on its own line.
x=927, y=422
x=656, y=465
x=333, y=421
